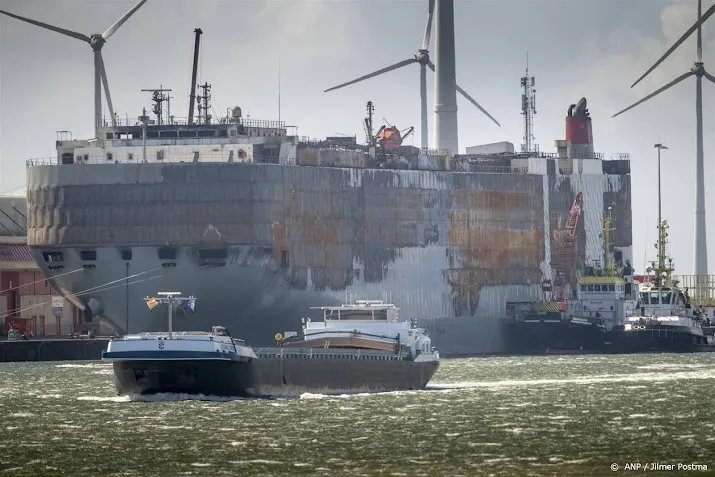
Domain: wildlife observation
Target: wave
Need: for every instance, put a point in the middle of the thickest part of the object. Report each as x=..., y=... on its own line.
x=161, y=397
x=608, y=378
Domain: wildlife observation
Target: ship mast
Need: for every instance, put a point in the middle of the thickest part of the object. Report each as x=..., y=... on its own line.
x=158, y=97
x=608, y=270
x=662, y=269
x=168, y=298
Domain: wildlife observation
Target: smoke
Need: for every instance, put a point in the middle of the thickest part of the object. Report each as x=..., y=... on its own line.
x=609, y=65
x=614, y=61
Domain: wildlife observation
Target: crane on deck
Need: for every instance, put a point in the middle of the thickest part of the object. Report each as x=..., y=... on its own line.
x=564, y=254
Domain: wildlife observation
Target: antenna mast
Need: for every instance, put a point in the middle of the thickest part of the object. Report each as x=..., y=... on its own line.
x=204, y=104
x=662, y=236
x=369, y=131
x=158, y=97
x=169, y=298
x=192, y=95
x=279, y=89
x=528, y=109
x=608, y=269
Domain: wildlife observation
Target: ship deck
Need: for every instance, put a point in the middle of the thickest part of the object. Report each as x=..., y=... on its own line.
x=328, y=353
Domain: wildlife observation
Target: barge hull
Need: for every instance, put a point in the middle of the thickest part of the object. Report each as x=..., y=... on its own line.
x=266, y=377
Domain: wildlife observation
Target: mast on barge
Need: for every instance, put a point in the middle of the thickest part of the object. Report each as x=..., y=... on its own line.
x=168, y=298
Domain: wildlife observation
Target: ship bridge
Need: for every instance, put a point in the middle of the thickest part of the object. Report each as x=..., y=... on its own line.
x=231, y=139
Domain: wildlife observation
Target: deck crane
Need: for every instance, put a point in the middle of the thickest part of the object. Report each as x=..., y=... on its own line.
x=390, y=138
x=564, y=254
x=195, y=65
x=387, y=137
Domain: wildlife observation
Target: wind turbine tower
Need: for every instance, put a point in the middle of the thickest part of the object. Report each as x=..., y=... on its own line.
x=700, y=252
x=96, y=41
x=445, y=82
x=528, y=109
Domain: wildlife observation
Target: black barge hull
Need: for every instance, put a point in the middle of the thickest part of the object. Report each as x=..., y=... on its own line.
x=658, y=339
x=266, y=377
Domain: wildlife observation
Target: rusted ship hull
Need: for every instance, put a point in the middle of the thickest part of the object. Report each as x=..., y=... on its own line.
x=260, y=243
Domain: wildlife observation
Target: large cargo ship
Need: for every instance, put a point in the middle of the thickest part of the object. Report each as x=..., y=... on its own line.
x=264, y=225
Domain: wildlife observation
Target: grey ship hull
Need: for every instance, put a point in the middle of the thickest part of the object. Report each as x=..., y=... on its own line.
x=273, y=376
x=441, y=244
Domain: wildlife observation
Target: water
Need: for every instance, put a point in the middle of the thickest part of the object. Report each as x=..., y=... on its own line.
x=536, y=416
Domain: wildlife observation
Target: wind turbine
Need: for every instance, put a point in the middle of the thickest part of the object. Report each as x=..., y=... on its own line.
x=700, y=251
x=422, y=58
x=96, y=41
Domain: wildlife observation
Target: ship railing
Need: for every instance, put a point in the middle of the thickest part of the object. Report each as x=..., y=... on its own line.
x=174, y=121
x=42, y=161
x=344, y=353
x=618, y=156
x=701, y=288
x=353, y=333
x=471, y=167
x=169, y=158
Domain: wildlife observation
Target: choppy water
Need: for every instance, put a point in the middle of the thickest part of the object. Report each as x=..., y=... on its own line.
x=535, y=416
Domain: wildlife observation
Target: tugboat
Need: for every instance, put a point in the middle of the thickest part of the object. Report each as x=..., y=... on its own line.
x=605, y=296
x=665, y=320
x=360, y=347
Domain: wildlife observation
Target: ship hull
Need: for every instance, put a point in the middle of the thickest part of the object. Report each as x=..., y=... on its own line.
x=250, y=299
x=557, y=337
x=258, y=244
x=657, y=339
x=266, y=377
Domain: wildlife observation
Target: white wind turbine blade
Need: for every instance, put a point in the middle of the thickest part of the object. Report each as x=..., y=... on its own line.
x=685, y=36
x=103, y=74
x=373, y=74
x=469, y=98
x=700, y=33
x=110, y=31
x=710, y=77
x=658, y=91
x=428, y=28
x=71, y=33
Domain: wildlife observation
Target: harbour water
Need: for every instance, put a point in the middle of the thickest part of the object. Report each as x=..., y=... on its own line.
x=537, y=416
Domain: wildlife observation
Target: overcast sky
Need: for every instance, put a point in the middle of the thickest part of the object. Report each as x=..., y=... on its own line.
x=576, y=48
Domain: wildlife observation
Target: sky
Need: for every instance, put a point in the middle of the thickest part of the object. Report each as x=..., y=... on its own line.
x=577, y=48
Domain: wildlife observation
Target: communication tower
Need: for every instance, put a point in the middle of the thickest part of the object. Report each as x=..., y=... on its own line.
x=204, y=104
x=528, y=109
x=159, y=98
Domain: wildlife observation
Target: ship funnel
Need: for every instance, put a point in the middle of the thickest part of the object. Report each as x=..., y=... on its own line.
x=579, y=133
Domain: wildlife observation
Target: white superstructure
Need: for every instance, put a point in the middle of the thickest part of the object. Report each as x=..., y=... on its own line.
x=188, y=345
x=232, y=138
x=370, y=320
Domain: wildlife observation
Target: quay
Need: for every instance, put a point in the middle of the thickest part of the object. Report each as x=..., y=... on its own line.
x=59, y=349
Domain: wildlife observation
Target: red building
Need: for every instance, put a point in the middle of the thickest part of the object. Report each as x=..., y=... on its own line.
x=26, y=299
